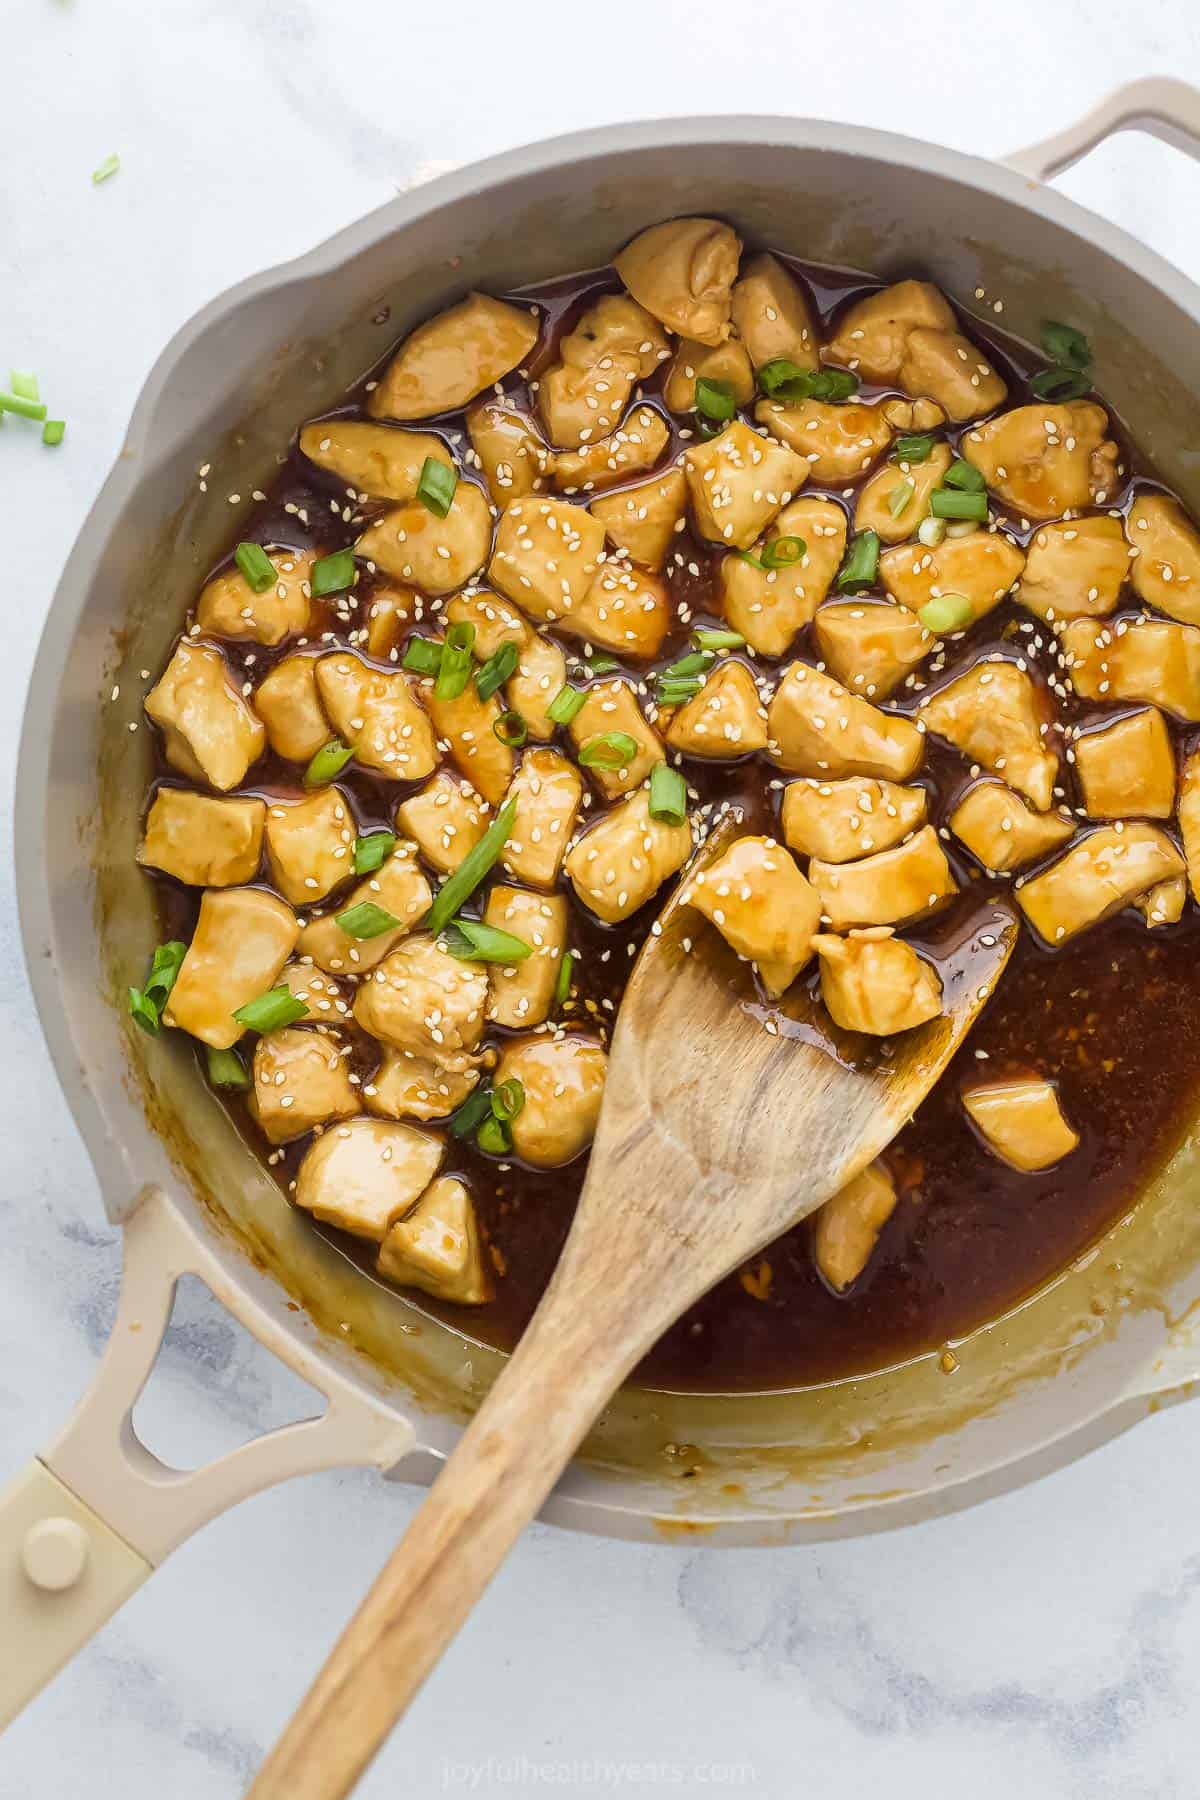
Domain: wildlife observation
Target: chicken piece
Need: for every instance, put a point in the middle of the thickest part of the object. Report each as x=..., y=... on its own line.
x=683, y=272
x=762, y=906
x=322, y=994
x=438, y=555
x=541, y=668
x=412, y=1087
x=301, y=1080
x=1002, y=830
x=1166, y=556
x=914, y=415
x=389, y=613
x=398, y=887
x=522, y=993
x=947, y=367
x=634, y=447
x=615, y=344
x=445, y=820
x=1022, y=1121
x=815, y=726
x=514, y=460
x=242, y=939
x=202, y=841
x=994, y=714
x=726, y=719
x=874, y=982
x=546, y=556
x=1074, y=569
x=230, y=608
x=769, y=606
x=726, y=363
x=642, y=521
x=548, y=790
x=772, y=316
x=438, y=1246
x=871, y=645
x=375, y=460
x=613, y=706
x=452, y=357
x=1164, y=904
x=287, y=702
x=889, y=888
x=893, y=482
x=625, y=857
x=738, y=481
x=1137, y=659
x=625, y=609
x=847, y=1227
x=365, y=1174
x=840, y=821
x=1127, y=769
x=1189, y=818
x=1099, y=875
x=872, y=333
x=209, y=732
x=837, y=442
x=377, y=713
x=310, y=845
x=422, y=999
x=1045, y=460
x=466, y=725
x=563, y=1079
x=981, y=567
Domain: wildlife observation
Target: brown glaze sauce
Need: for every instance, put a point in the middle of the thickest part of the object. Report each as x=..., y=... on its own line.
x=1114, y=1017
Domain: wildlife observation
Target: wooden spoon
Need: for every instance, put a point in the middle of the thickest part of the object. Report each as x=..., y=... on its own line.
x=725, y=1121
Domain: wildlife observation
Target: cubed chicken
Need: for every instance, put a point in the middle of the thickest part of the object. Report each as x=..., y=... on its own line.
x=522, y=993
x=389, y=612
x=836, y=442
x=377, y=460
x=398, y=887
x=873, y=981
x=466, y=725
x=872, y=333
x=913, y=415
x=242, y=939
x=1189, y=817
x=1022, y=1120
x=727, y=364
x=1045, y=460
x=438, y=1246
x=762, y=906
x=847, y=1228
x=1099, y=875
x=420, y=998
x=770, y=605
x=631, y=449
x=890, y=887
x=209, y=731
x=1127, y=770
x=772, y=315
x=896, y=498
x=642, y=521
x=546, y=556
x=738, y=481
x=512, y=456
x=310, y=845
x=1003, y=831
x=615, y=344
x=563, y=1081
x=612, y=706
x=726, y=719
x=625, y=609
x=450, y=358
x=1164, y=904
x=365, y=1174
x=548, y=791
x=947, y=367
x=230, y=608
x=541, y=666
x=376, y=712
x=202, y=841
x=683, y=272
x=815, y=726
x=871, y=645
x=840, y=821
x=287, y=702
x=1166, y=556
x=996, y=716
x=980, y=568
x=625, y=857
x=1136, y=659
x=445, y=820
x=436, y=554
x=1074, y=569
x=413, y=1087
x=323, y=995
x=301, y=1080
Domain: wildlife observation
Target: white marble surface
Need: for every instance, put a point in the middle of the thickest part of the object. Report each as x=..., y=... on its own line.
x=1049, y=1640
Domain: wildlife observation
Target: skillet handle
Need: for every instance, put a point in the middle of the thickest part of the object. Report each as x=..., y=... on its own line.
x=85, y=1524
x=1166, y=108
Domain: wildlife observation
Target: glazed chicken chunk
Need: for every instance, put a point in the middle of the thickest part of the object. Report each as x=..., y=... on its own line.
x=738, y=481
x=203, y=841
x=414, y=1087
x=874, y=982
x=1003, y=831
x=541, y=666
x=364, y=1174
x=209, y=732
x=1127, y=769
x=839, y=821
x=772, y=316
x=437, y=1247
x=836, y=442
x=993, y=714
x=422, y=999
x=612, y=707
x=615, y=344
x=870, y=645
x=310, y=844
x=412, y=543
x=1147, y=660
x=548, y=792
x=1022, y=1121
x=229, y=607
x=389, y=610
x=847, y=1228
x=817, y=727
x=725, y=719
x=242, y=939
x=1074, y=569
x=763, y=907
x=301, y=1079
x=512, y=456
x=1099, y=875
x=1166, y=556
x=683, y=272
x=726, y=363
x=546, y=556
x=635, y=446
x=522, y=992
x=625, y=609
x=398, y=887
x=451, y=358
x=376, y=460
x=1046, y=460
x=1189, y=818
x=563, y=1082
x=947, y=367
x=895, y=499
x=625, y=857
x=641, y=521
x=872, y=334
x=289, y=705
x=445, y=820
x=770, y=605
x=980, y=569
x=466, y=726
x=889, y=887
x=377, y=713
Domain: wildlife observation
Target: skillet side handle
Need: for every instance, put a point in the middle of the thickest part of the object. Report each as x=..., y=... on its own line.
x=1158, y=104
x=95, y=1514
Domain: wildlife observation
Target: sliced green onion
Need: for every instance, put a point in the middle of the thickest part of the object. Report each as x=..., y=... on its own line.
x=436, y=485
x=565, y=704
x=708, y=428
x=1051, y=384
x=834, y=384
x=423, y=656
x=16, y=403
x=108, y=167
x=144, y=1012
x=256, y=566
x=1065, y=345
x=914, y=447
x=600, y=663
x=862, y=564
x=24, y=383
x=372, y=851
x=946, y=612
x=944, y=503
x=511, y=729
x=608, y=750
x=715, y=399
x=695, y=663
x=278, y=1006
x=900, y=497
x=333, y=574
x=471, y=940
x=964, y=475
x=668, y=795
x=496, y=670
x=674, y=693
x=454, y=670
x=226, y=1068
x=508, y=1100
x=562, y=981
x=164, y=969
x=459, y=886
x=470, y=1115
x=782, y=379
x=54, y=431
x=494, y=1137
x=329, y=761
x=718, y=640
x=782, y=552
x=931, y=531
x=366, y=920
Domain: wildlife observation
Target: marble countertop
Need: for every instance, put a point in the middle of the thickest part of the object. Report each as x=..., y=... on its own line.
x=1050, y=1639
